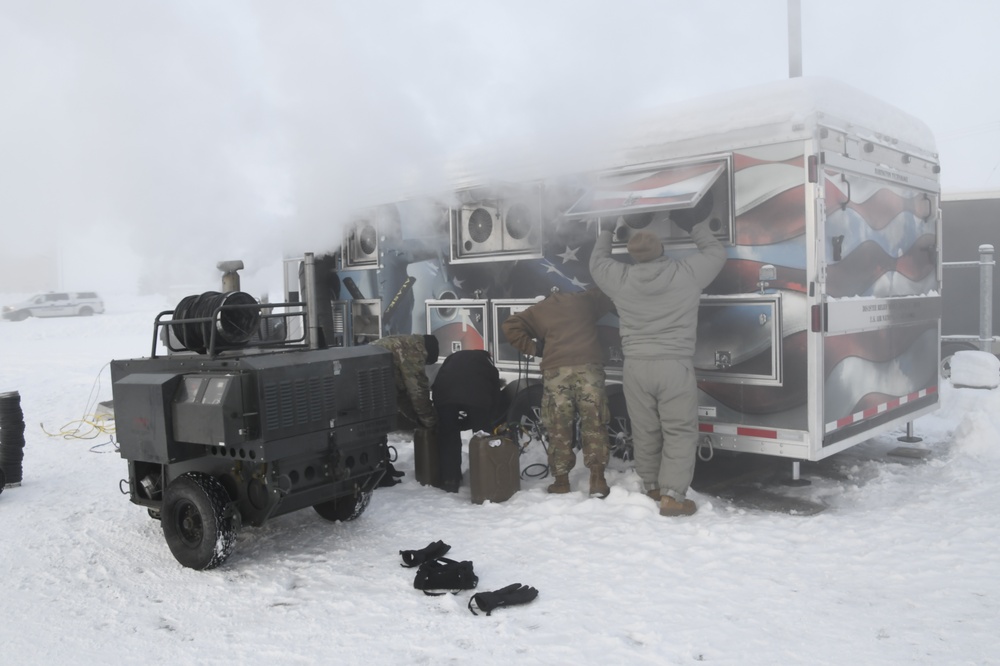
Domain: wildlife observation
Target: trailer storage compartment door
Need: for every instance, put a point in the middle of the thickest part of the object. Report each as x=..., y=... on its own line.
x=458, y=324
x=651, y=198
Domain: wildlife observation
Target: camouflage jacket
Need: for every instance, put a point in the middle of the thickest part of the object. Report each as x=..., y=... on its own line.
x=409, y=355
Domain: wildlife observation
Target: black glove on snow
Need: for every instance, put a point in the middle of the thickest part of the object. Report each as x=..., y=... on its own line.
x=512, y=595
x=437, y=576
x=434, y=550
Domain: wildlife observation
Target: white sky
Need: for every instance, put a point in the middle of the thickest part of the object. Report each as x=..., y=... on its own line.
x=201, y=131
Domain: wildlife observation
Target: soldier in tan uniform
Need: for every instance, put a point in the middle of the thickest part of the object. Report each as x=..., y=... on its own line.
x=562, y=331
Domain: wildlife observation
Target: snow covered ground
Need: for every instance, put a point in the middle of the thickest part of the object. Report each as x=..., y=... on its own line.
x=902, y=567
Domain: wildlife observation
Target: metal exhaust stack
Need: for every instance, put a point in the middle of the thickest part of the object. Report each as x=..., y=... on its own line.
x=230, y=278
x=312, y=300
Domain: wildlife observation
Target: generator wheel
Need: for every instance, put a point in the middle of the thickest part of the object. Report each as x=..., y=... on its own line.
x=198, y=523
x=344, y=508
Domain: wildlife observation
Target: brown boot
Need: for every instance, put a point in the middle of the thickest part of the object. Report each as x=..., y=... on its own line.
x=671, y=508
x=654, y=495
x=561, y=485
x=598, y=484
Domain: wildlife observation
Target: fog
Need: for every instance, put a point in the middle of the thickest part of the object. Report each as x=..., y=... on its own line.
x=159, y=138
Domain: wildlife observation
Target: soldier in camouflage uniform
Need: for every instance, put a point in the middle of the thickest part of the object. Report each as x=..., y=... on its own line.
x=562, y=330
x=410, y=353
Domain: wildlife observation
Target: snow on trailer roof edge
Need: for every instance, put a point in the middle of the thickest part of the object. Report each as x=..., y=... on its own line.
x=765, y=113
x=788, y=108
x=795, y=105
x=969, y=195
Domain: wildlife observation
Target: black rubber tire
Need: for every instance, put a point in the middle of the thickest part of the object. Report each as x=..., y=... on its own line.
x=86, y=311
x=198, y=524
x=349, y=507
x=20, y=315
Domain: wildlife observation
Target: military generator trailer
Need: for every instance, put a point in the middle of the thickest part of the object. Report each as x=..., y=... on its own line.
x=238, y=433
x=821, y=331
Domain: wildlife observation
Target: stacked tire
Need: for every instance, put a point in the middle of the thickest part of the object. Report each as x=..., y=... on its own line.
x=11, y=438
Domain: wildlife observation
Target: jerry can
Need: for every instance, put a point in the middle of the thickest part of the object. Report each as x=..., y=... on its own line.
x=494, y=468
x=425, y=457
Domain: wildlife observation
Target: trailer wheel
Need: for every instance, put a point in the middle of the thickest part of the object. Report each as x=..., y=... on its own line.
x=86, y=311
x=346, y=508
x=525, y=410
x=948, y=350
x=619, y=427
x=198, y=523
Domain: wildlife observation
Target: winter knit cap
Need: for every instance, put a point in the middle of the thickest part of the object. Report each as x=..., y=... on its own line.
x=431, y=344
x=644, y=246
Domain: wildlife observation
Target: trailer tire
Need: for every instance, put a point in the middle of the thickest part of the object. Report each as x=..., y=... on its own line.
x=198, y=522
x=948, y=350
x=525, y=410
x=349, y=507
x=619, y=427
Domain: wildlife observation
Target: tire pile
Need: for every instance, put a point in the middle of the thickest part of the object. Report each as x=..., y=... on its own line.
x=11, y=439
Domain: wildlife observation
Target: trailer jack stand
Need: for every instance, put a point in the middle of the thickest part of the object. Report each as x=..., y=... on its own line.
x=796, y=479
x=910, y=438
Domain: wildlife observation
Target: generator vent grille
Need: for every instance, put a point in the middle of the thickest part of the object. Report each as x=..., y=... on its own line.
x=293, y=403
x=374, y=387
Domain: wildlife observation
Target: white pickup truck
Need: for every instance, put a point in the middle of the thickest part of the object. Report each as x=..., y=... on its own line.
x=56, y=304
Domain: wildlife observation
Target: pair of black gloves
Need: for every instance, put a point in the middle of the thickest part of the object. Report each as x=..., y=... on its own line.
x=436, y=570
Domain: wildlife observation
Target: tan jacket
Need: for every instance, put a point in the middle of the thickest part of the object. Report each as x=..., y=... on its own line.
x=566, y=323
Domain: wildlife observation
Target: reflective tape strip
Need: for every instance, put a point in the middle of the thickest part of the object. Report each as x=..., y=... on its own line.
x=857, y=417
x=744, y=431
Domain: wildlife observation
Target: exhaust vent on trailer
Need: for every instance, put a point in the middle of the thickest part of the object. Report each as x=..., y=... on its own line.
x=499, y=223
x=365, y=233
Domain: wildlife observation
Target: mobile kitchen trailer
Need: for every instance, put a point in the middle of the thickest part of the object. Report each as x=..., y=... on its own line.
x=822, y=329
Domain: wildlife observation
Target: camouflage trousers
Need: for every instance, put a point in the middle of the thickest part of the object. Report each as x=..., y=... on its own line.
x=566, y=392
